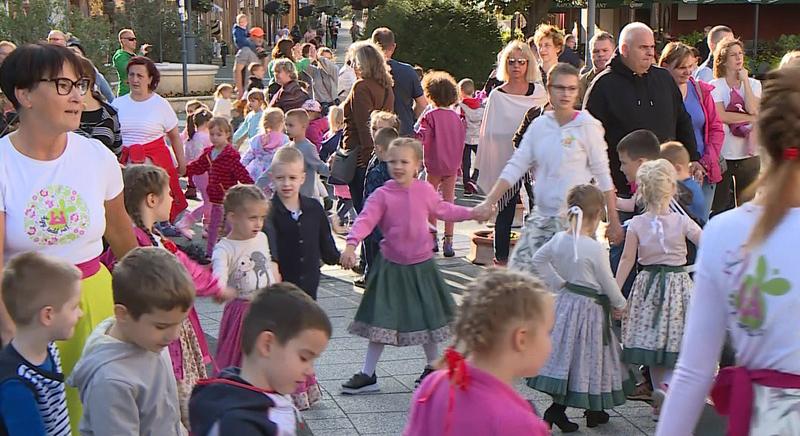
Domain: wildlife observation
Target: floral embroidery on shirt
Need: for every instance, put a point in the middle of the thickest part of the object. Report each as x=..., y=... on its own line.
x=749, y=301
x=567, y=140
x=56, y=215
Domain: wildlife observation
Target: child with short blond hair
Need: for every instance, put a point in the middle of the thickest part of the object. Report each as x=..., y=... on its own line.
x=125, y=374
x=690, y=192
x=472, y=109
x=42, y=296
x=263, y=146
x=296, y=124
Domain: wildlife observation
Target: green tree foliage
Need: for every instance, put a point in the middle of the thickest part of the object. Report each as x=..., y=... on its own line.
x=535, y=11
x=441, y=34
x=29, y=22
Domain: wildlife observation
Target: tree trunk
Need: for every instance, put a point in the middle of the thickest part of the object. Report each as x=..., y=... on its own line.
x=536, y=14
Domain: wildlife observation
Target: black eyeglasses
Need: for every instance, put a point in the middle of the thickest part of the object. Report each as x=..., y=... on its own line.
x=64, y=86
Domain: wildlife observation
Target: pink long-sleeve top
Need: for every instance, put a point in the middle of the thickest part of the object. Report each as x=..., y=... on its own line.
x=442, y=132
x=486, y=406
x=402, y=215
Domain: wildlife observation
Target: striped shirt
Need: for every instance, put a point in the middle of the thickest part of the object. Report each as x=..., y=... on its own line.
x=102, y=124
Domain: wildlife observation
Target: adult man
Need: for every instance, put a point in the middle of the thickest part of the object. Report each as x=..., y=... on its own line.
x=246, y=56
x=123, y=55
x=407, y=86
x=634, y=94
x=57, y=37
x=602, y=45
x=705, y=71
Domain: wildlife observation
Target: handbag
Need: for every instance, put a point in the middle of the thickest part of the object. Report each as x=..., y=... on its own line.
x=737, y=105
x=343, y=166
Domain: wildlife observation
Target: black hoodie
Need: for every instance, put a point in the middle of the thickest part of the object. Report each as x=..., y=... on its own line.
x=624, y=102
x=239, y=408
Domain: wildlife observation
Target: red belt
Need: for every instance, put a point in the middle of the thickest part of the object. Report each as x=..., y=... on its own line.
x=733, y=393
x=138, y=153
x=89, y=268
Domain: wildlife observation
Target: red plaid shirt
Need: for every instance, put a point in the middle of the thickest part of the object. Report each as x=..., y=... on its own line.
x=223, y=172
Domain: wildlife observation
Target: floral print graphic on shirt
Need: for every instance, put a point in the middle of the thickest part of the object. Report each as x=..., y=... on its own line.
x=749, y=301
x=56, y=215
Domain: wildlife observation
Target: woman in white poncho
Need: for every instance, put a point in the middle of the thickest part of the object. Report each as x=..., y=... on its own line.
x=505, y=110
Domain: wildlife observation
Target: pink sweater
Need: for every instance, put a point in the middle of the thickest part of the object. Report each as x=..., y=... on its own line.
x=442, y=132
x=485, y=407
x=402, y=215
x=316, y=131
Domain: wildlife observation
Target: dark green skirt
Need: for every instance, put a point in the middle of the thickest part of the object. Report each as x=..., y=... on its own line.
x=404, y=305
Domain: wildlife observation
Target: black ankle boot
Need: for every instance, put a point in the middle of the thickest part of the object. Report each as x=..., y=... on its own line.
x=556, y=414
x=595, y=418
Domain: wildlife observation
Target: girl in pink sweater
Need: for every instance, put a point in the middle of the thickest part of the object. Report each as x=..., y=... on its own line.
x=503, y=331
x=442, y=131
x=406, y=301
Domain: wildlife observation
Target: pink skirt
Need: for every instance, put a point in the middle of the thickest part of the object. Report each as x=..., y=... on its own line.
x=307, y=393
x=229, y=345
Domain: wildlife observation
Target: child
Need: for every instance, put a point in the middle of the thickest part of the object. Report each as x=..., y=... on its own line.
x=42, y=296
x=380, y=119
x=442, y=131
x=263, y=146
x=222, y=163
x=405, y=281
x=125, y=376
x=564, y=148
x=242, y=261
x=296, y=124
x=250, y=126
x=474, y=394
x=584, y=370
x=634, y=149
x=196, y=142
x=688, y=189
x=377, y=176
x=653, y=323
x=190, y=108
x=222, y=101
x=257, y=73
x=317, y=124
x=332, y=139
x=146, y=201
x=472, y=109
x=283, y=333
x=330, y=142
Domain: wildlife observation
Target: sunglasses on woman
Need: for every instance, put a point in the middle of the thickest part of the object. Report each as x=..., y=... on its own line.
x=521, y=61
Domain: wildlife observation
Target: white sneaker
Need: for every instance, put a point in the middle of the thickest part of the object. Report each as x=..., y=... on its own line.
x=184, y=226
x=658, y=400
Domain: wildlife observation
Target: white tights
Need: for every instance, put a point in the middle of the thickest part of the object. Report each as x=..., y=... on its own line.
x=375, y=349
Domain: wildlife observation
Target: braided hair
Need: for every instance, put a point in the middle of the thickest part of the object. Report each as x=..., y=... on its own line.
x=497, y=298
x=778, y=130
x=141, y=181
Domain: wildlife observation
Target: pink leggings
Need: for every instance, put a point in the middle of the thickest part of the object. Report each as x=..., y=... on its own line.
x=446, y=185
x=214, y=226
x=204, y=211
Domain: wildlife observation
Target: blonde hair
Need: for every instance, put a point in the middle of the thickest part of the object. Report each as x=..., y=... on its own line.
x=369, y=59
x=386, y=119
x=411, y=143
x=10, y=44
x=467, y=87
x=656, y=182
x=496, y=299
x=300, y=115
x=336, y=118
x=288, y=154
x=33, y=281
x=222, y=87
x=778, y=130
x=562, y=69
x=222, y=124
x=271, y=119
x=675, y=153
x=285, y=65
x=674, y=54
x=790, y=59
x=440, y=88
x=238, y=196
x=549, y=31
x=721, y=56
x=532, y=75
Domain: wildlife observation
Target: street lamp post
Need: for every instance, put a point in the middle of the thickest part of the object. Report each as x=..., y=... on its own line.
x=184, y=52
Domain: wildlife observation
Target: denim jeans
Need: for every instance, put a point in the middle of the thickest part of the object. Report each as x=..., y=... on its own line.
x=615, y=255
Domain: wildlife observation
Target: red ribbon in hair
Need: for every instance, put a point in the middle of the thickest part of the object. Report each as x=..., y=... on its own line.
x=169, y=245
x=459, y=378
x=791, y=153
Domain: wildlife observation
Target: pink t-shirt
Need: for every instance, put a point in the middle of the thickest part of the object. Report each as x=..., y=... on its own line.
x=486, y=407
x=442, y=132
x=662, y=238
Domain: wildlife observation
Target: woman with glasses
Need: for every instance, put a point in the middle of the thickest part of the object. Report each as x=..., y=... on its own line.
x=60, y=193
x=505, y=110
x=146, y=121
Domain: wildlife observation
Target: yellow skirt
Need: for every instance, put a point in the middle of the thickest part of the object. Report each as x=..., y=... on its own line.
x=97, y=304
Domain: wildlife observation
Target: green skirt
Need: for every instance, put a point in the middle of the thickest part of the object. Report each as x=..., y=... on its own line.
x=404, y=305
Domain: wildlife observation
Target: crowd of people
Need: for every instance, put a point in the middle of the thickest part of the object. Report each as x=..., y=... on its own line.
x=97, y=317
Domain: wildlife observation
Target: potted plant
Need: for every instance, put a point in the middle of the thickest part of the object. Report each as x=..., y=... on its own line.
x=481, y=250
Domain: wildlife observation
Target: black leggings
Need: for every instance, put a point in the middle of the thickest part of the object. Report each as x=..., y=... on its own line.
x=740, y=175
x=466, y=164
x=503, y=223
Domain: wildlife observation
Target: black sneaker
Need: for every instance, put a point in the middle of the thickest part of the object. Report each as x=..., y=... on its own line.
x=426, y=372
x=361, y=282
x=360, y=383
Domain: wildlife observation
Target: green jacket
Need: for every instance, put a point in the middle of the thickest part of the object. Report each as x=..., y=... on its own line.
x=120, y=61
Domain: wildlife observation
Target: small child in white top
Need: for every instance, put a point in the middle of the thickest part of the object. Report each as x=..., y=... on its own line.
x=222, y=101
x=652, y=327
x=585, y=360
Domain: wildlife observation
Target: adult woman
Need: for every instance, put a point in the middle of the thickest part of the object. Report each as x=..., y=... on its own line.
x=549, y=40
x=372, y=91
x=146, y=119
x=99, y=119
x=679, y=60
x=290, y=95
x=737, y=97
x=282, y=50
x=747, y=284
x=505, y=111
x=49, y=202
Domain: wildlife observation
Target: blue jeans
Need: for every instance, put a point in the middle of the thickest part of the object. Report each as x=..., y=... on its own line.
x=708, y=193
x=615, y=255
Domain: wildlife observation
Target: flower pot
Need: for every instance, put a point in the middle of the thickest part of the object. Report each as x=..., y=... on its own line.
x=481, y=250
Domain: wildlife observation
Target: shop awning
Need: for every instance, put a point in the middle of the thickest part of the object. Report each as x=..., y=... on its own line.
x=562, y=5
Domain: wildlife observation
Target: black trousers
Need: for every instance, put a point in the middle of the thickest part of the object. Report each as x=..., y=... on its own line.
x=466, y=163
x=503, y=222
x=731, y=189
